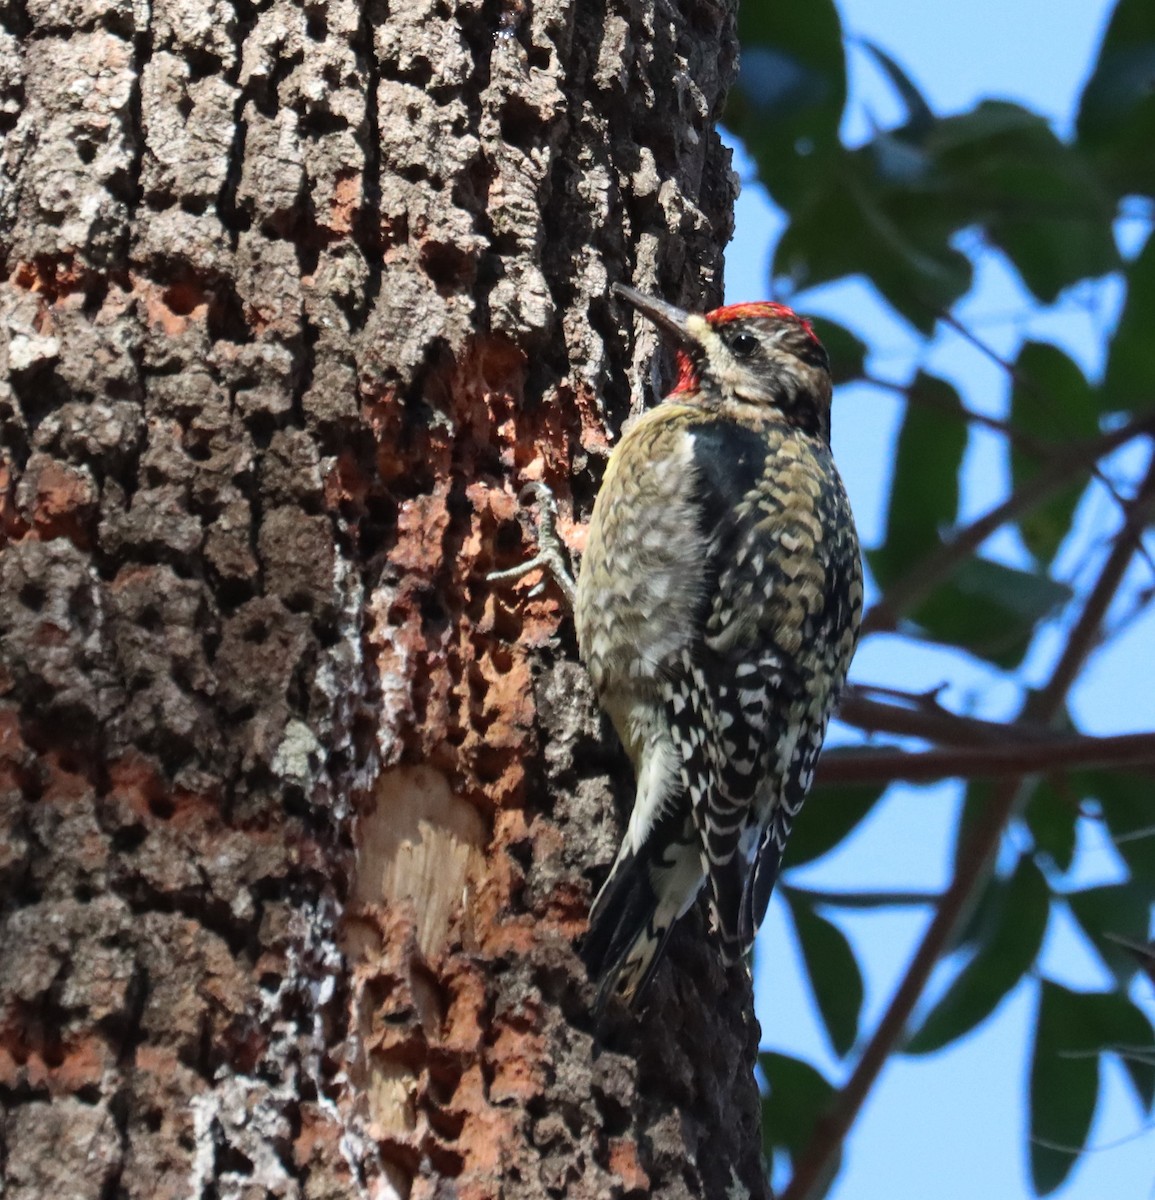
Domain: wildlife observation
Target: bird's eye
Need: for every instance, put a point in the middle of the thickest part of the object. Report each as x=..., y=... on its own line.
x=742, y=345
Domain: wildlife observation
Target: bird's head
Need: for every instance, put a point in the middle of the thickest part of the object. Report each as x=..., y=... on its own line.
x=752, y=354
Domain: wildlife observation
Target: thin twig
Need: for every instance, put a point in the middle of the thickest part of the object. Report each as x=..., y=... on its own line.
x=940, y=564
x=866, y=899
x=816, y=1163
x=968, y=335
x=1024, y=382
x=1044, y=704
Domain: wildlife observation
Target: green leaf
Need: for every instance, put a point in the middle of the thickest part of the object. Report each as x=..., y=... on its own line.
x=827, y=819
x=1126, y=803
x=847, y=224
x=1051, y=817
x=1117, y=1026
x=835, y=978
x=1119, y=910
x=1024, y=594
x=918, y=113
x=1064, y=1086
x=847, y=350
x=1005, y=954
x=1130, y=379
x=787, y=104
x=1037, y=198
x=892, y=209
x=1072, y=1031
x=990, y=609
x=924, y=490
x=1052, y=402
x=984, y=917
x=1116, y=120
x=797, y=1095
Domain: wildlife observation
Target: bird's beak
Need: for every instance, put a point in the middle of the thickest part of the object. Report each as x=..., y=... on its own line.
x=665, y=316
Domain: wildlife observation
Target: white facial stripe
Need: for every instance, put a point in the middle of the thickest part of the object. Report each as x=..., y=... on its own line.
x=717, y=352
x=699, y=328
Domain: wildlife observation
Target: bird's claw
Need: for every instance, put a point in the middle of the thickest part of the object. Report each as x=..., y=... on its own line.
x=550, y=557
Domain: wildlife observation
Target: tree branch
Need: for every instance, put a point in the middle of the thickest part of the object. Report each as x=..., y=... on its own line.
x=923, y=717
x=1041, y=756
x=816, y=1164
x=938, y=566
x=1085, y=634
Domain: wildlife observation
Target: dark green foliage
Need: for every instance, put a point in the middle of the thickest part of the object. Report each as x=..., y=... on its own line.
x=1126, y=802
x=847, y=351
x=1117, y=112
x=1064, y=1086
x=833, y=970
x=990, y=609
x=795, y=1097
x=892, y=211
x=1012, y=932
x=842, y=809
x=924, y=490
x=1053, y=404
x=1051, y=814
x=1002, y=168
x=1114, y=917
x=791, y=92
x=1072, y=1031
x=1130, y=381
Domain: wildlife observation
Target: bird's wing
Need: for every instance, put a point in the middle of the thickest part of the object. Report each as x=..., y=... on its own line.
x=751, y=696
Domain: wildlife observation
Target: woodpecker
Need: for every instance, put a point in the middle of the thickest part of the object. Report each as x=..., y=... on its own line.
x=717, y=611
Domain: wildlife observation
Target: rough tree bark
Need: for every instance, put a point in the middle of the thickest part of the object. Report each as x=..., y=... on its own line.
x=299, y=816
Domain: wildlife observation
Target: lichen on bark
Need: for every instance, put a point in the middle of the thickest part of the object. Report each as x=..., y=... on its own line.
x=294, y=299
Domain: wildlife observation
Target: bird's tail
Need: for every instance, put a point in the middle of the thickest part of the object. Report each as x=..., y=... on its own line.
x=726, y=835
x=648, y=889
x=741, y=880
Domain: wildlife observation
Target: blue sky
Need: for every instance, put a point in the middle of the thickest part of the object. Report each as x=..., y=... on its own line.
x=954, y=1125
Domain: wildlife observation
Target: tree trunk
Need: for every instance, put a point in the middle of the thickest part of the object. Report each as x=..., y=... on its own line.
x=300, y=816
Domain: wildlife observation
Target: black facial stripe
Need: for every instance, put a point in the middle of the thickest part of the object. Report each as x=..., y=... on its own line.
x=793, y=340
x=812, y=353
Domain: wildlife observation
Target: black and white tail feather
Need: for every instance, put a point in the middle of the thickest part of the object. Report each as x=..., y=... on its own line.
x=635, y=912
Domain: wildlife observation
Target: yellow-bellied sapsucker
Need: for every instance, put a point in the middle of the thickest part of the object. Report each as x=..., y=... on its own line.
x=717, y=610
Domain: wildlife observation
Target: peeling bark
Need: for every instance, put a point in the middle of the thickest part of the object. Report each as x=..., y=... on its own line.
x=300, y=817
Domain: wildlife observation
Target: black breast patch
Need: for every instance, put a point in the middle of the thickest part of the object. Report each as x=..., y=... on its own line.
x=730, y=460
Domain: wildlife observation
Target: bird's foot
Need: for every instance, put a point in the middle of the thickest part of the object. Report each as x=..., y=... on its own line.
x=550, y=556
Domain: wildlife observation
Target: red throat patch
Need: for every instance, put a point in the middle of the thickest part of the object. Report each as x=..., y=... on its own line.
x=687, y=380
